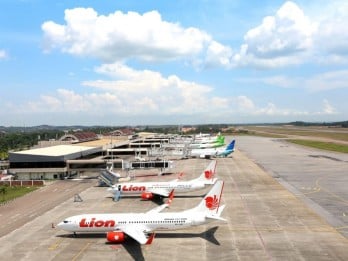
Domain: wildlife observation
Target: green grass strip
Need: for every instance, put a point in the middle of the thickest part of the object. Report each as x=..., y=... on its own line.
x=8, y=193
x=322, y=145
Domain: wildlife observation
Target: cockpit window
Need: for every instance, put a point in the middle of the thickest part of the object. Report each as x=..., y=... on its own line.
x=66, y=221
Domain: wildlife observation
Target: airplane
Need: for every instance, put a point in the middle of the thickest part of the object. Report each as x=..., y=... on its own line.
x=148, y=190
x=213, y=152
x=142, y=226
x=202, y=144
x=207, y=137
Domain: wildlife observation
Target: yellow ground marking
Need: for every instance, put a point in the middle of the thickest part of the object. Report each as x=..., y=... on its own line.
x=56, y=244
x=81, y=251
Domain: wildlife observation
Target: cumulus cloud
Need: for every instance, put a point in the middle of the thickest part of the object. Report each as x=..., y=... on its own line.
x=3, y=54
x=145, y=92
x=327, y=108
x=246, y=106
x=169, y=94
x=133, y=92
x=119, y=36
x=287, y=37
x=280, y=39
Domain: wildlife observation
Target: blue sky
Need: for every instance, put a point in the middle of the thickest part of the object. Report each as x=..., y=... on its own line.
x=172, y=62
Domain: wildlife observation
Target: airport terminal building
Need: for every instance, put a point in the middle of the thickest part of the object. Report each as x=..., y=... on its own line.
x=79, y=154
x=49, y=162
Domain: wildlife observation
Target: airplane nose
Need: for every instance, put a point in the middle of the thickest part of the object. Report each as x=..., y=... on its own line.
x=59, y=225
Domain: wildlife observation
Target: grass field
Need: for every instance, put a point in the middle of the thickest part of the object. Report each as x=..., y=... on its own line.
x=8, y=193
x=322, y=145
x=326, y=133
x=332, y=139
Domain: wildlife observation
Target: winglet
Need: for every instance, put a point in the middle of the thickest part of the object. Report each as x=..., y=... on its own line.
x=170, y=198
x=180, y=175
x=150, y=239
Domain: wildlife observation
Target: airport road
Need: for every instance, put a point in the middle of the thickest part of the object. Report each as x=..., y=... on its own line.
x=264, y=222
x=319, y=178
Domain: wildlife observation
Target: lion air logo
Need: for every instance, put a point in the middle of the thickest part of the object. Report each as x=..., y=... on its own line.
x=208, y=174
x=212, y=202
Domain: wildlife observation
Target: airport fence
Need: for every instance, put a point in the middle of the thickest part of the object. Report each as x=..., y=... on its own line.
x=22, y=183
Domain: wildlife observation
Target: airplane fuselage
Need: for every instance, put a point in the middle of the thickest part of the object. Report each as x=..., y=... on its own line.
x=94, y=223
x=140, y=187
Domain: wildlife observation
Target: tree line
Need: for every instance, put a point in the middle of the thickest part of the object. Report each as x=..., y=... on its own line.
x=24, y=140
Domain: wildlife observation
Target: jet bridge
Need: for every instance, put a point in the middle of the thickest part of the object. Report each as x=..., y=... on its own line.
x=107, y=177
x=163, y=164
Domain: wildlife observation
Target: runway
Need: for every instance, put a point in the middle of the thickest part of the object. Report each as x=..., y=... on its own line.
x=265, y=221
x=317, y=177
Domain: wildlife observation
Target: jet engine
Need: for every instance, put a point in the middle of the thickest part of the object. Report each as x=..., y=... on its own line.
x=115, y=236
x=147, y=195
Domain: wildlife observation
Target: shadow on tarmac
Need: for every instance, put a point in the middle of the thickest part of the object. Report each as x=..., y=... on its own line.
x=134, y=248
x=208, y=235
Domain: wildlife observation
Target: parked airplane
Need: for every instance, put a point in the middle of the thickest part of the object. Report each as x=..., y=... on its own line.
x=201, y=144
x=213, y=152
x=147, y=190
x=142, y=226
x=207, y=137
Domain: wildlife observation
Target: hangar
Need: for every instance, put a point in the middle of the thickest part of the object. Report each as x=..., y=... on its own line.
x=49, y=162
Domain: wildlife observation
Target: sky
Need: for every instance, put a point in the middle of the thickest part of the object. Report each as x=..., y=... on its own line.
x=152, y=62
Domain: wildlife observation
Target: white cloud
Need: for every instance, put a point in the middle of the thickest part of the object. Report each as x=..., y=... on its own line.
x=327, y=108
x=3, y=54
x=327, y=81
x=281, y=39
x=324, y=81
x=291, y=37
x=136, y=92
x=132, y=92
x=287, y=37
x=281, y=81
x=332, y=36
x=245, y=104
x=138, y=88
x=120, y=36
x=219, y=55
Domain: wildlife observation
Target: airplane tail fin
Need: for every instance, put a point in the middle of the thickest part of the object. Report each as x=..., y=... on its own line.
x=210, y=204
x=208, y=174
x=221, y=139
x=231, y=145
x=170, y=198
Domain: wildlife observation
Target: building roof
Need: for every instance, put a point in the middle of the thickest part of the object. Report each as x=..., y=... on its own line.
x=53, y=153
x=58, y=150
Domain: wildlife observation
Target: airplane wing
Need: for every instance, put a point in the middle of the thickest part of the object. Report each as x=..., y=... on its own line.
x=160, y=192
x=163, y=206
x=136, y=233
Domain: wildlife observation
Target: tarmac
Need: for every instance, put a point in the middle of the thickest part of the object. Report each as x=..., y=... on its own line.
x=270, y=215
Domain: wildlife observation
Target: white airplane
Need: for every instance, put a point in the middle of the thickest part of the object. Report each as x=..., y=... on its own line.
x=208, y=139
x=142, y=226
x=148, y=190
x=213, y=152
x=211, y=142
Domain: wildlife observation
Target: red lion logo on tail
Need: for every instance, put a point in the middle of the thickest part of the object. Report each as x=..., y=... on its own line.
x=208, y=174
x=212, y=202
